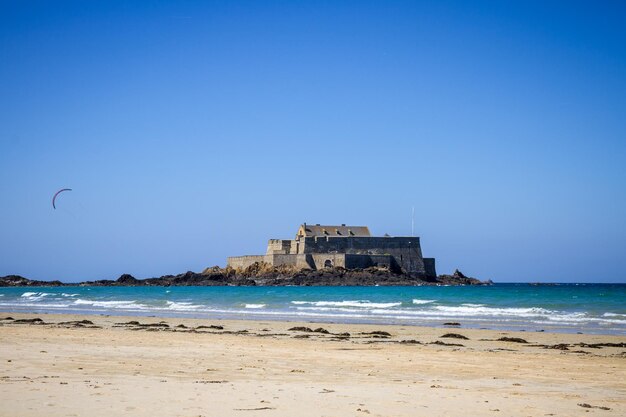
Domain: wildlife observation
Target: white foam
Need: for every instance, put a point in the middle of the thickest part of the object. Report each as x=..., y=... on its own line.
x=112, y=304
x=613, y=315
x=418, y=301
x=182, y=306
x=348, y=303
x=492, y=311
x=472, y=305
x=69, y=295
x=255, y=305
x=35, y=295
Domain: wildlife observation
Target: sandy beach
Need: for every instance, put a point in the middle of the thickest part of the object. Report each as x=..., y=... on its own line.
x=111, y=365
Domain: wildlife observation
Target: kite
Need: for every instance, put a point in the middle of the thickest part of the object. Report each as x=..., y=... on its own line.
x=56, y=194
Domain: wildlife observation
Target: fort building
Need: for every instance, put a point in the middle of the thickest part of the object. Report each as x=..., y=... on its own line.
x=351, y=247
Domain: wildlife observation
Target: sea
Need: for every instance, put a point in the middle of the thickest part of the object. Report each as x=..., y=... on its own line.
x=569, y=308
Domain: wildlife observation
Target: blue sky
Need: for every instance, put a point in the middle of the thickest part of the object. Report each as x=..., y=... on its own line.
x=192, y=131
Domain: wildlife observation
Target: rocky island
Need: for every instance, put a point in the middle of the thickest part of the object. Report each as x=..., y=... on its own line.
x=329, y=255
x=259, y=274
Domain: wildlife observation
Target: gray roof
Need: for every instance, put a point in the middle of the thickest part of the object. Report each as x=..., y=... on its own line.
x=310, y=230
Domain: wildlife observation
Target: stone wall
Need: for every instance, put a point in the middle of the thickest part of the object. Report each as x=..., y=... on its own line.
x=429, y=266
x=406, y=251
x=242, y=262
x=397, y=253
x=278, y=246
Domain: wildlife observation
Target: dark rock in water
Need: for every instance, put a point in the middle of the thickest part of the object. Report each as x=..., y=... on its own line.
x=36, y=320
x=458, y=278
x=512, y=339
x=20, y=281
x=127, y=279
x=264, y=274
x=452, y=323
x=455, y=336
x=301, y=329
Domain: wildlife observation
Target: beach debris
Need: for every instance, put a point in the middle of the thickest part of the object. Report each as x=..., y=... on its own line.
x=326, y=391
x=301, y=336
x=135, y=325
x=411, y=342
x=54, y=198
x=440, y=343
x=452, y=323
x=378, y=333
x=214, y=327
x=254, y=409
x=297, y=371
x=204, y=381
x=76, y=323
x=512, y=339
x=585, y=405
x=455, y=336
x=36, y=320
x=321, y=330
x=8, y=318
x=601, y=345
x=154, y=325
x=560, y=346
x=301, y=329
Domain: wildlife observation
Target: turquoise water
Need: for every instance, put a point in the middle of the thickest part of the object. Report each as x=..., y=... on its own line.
x=588, y=308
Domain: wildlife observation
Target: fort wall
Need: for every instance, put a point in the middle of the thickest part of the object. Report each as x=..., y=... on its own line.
x=350, y=252
x=241, y=262
x=406, y=251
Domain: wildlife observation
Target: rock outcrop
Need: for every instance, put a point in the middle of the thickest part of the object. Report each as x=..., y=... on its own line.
x=267, y=275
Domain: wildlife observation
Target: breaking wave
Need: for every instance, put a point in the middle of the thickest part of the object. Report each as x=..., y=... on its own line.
x=347, y=303
x=35, y=295
x=182, y=306
x=255, y=305
x=419, y=302
x=112, y=304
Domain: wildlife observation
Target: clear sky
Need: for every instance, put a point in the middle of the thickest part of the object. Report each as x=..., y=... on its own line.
x=191, y=131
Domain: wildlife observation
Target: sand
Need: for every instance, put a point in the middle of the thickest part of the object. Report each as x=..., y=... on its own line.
x=254, y=368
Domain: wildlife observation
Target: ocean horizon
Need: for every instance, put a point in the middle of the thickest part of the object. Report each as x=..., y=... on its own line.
x=568, y=308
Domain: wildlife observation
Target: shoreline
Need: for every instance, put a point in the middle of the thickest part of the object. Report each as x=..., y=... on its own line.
x=155, y=366
x=566, y=309
x=439, y=323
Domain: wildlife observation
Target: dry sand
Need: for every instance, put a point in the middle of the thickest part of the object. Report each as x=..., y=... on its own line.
x=253, y=368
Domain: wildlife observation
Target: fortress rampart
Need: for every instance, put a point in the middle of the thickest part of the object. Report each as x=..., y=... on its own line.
x=350, y=247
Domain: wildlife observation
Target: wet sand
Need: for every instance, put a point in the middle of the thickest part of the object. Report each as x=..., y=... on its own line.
x=184, y=367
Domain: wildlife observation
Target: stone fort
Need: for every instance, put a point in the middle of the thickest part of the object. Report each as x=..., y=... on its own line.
x=349, y=247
